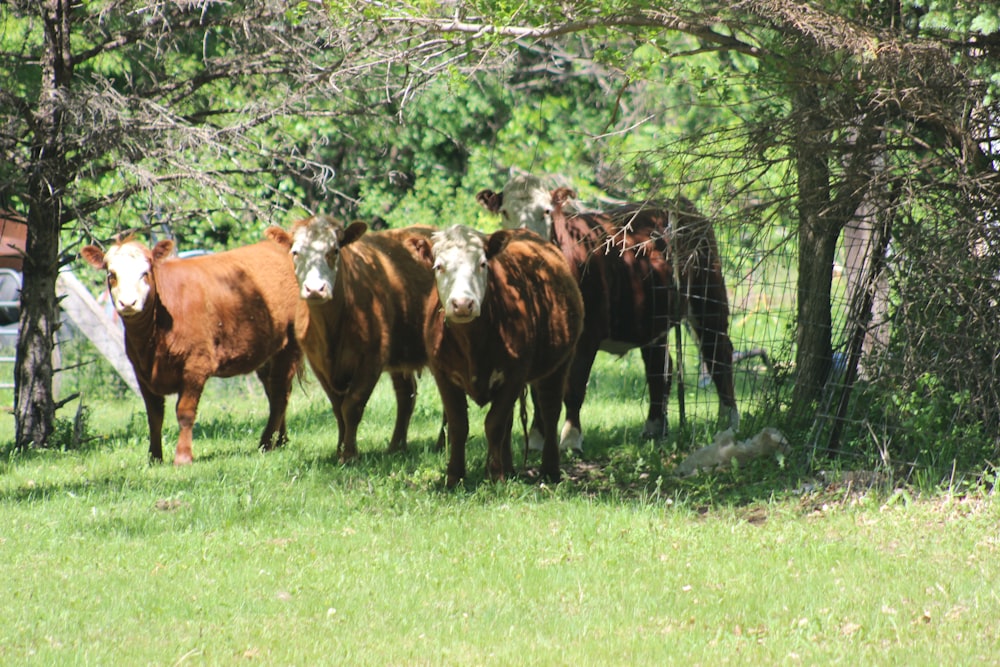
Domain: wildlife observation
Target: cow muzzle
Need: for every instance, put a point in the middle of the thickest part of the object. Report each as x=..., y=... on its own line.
x=461, y=310
x=318, y=291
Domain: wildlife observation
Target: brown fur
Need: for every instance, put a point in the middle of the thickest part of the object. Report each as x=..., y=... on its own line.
x=622, y=261
x=531, y=318
x=373, y=324
x=216, y=315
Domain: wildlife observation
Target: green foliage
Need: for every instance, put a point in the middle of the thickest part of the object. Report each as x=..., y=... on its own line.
x=931, y=424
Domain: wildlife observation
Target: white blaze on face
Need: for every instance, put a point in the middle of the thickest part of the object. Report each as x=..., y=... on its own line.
x=460, y=271
x=315, y=254
x=128, y=278
x=526, y=203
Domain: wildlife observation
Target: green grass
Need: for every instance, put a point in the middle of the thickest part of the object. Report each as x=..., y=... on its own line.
x=291, y=558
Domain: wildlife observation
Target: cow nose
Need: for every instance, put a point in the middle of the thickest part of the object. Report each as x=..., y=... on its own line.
x=463, y=307
x=318, y=290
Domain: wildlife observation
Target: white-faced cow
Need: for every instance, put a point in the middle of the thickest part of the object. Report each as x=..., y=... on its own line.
x=640, y=268
x=362, y=313
x=506, y=313
x=187, y=320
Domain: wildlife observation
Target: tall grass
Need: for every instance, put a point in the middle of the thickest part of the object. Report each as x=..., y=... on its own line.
x=290, y=558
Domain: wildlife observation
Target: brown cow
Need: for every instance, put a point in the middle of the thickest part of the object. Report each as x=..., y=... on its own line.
x=640, y=269
x=506, y=312
x=187, y=320
x=362, y=309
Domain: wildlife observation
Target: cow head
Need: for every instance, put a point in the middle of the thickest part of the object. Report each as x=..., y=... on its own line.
x=315, y=250
x=459, y=257
x=129, y=267
x=524, y=202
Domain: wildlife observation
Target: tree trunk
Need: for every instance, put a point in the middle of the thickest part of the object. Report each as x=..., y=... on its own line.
x=34, y=401
x=817, y=248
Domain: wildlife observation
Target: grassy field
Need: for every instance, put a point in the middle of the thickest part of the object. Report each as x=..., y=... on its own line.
x=291, y=558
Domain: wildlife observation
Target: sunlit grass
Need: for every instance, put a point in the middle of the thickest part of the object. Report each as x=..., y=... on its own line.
x=290, y=558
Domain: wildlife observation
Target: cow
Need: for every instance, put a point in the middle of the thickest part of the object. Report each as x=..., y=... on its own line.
x=216, y=315
x=361, y=314
x=640, y=268
x=506, y=313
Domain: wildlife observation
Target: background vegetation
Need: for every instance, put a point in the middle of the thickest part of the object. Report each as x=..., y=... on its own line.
x=787, y=123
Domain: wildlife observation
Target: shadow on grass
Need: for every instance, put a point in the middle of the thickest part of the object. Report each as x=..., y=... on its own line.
x=618, y=464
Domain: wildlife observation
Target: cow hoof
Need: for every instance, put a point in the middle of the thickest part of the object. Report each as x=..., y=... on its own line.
x=536, y=442
x=396, y=447
x=654, y=429
x=183, y=460
x=571, y=439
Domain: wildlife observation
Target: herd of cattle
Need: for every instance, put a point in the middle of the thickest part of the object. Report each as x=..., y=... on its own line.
x=489, y=315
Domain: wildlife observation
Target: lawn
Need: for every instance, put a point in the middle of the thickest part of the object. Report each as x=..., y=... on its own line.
x=291, y=558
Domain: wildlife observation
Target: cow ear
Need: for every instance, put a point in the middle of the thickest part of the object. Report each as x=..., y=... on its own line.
x=162, y=250
x=420, y=248
x=562, y=195
x=354, y=231
x=93, y=256
x=491, y=201
x=279, y=236
x=497, y=241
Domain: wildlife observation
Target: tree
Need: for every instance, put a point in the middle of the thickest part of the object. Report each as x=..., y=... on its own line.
x=871, y=99
x=112, y=101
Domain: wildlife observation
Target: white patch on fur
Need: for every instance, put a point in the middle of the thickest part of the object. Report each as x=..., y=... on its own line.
x=571, y=438
x=310, y=245
x=460, y=272
x=130, y=269
x=528, y=204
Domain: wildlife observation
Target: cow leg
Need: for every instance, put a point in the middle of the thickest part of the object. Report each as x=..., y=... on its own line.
x=277, y=376
x=405, y=386
x=456, y=412
x=576, y=391
x=442, y=434
x=336, y=403
x=352, y=409
x=549, y=391
x=187, y=410
x=535, y=438
x=499, y=421
x=155, y=408
x=659, y=371
x=717, y=351
x=499, y=459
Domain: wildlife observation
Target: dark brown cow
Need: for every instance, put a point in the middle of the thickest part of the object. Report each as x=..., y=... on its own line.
x=187, y=320
x=506, y=313
x=362, y=313
x=640, y=269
